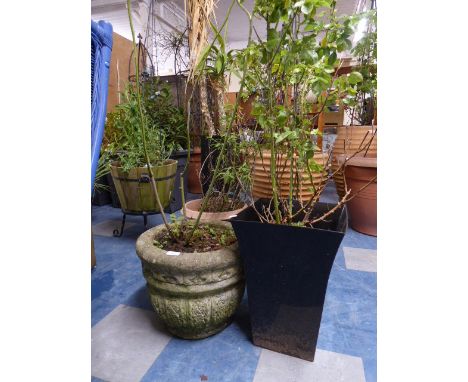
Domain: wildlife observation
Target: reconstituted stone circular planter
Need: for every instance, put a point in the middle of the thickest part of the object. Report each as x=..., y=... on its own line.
x=195, y=294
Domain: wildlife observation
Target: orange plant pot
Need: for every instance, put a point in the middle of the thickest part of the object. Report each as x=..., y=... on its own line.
x=303, y=185
x=193, y=181
x=347, y=142
x=362, y=209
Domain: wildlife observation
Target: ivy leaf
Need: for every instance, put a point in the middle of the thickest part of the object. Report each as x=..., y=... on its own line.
x=307, y=7
x=281, y=137
x=355, y=77
x=309, y=27
x=282, y=117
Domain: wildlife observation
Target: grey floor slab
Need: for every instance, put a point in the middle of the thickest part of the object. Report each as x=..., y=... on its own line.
x=106, y=228
x=327, y=367
x=360, y=259
x=125, y=344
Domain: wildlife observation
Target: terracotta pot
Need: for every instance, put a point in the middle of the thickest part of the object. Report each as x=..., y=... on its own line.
x=348, y=140
x=193, y=207
x=362, y=208
x=303, y=186
x=193, y=183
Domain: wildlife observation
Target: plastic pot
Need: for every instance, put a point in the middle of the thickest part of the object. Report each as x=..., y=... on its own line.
x=192, y=209
x=363, y=207
x=176, y=201
x=303, y=186
x=287, y=270
x=347, y=142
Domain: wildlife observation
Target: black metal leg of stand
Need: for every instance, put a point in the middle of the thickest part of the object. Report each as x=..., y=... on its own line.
x=145, y=220
x=116, y=232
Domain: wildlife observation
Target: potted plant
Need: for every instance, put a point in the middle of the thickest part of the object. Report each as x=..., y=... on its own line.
x=225, y=201
x=192, y=268
x=361, y=104
x=288, y=243
x=128, y=165
x=219, y=145
x=164, y=115
x=362, y=169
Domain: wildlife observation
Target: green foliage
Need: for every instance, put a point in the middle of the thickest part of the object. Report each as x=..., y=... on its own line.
x=101, y=171
x=364, y=100
x=298, y=57
x=158, y=105
x=233, y=175
x=123, y=139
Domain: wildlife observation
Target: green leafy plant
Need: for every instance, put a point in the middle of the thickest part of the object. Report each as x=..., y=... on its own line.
x=123, y=141
x=364, y=102
x=101, y=171
x=158, y=105
x=299, y=56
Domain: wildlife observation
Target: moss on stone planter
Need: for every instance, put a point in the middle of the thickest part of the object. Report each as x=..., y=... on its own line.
x=195, y=294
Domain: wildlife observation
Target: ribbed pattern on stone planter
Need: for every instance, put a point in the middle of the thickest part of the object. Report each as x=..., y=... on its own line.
x=303, y=185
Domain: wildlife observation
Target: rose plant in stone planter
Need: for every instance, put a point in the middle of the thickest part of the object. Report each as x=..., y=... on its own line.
x=192, y=268
x=195, y=293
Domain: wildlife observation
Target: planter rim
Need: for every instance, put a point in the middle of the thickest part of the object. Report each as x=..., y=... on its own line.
x=358, y=161
x=292, y=226
x=343, y=231
x=180, y=153
x=167, y=163
x=193, y=205
x=185, y=262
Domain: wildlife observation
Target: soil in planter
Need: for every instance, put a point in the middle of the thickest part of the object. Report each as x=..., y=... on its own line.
x=207, y=237
x=221, y=203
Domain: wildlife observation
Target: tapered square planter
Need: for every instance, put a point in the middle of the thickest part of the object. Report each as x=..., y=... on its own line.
x=287, y=270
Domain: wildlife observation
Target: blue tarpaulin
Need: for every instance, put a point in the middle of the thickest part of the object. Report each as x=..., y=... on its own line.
x=101, y=49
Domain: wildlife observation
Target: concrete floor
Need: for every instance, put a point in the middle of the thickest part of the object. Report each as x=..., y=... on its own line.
x=130, y=344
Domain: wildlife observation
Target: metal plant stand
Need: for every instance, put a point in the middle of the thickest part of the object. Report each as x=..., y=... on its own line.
x=119, y=233
x=172, y=207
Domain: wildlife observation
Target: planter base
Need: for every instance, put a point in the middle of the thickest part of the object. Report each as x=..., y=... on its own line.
x=189, y=336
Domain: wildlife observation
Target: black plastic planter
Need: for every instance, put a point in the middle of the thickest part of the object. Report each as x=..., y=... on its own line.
x=287, y=270
x=176, y=200
x=101, y=197
x=209, y=156
x=113, y=192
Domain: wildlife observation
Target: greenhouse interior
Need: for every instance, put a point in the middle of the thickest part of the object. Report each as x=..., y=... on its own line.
x=234, y=234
